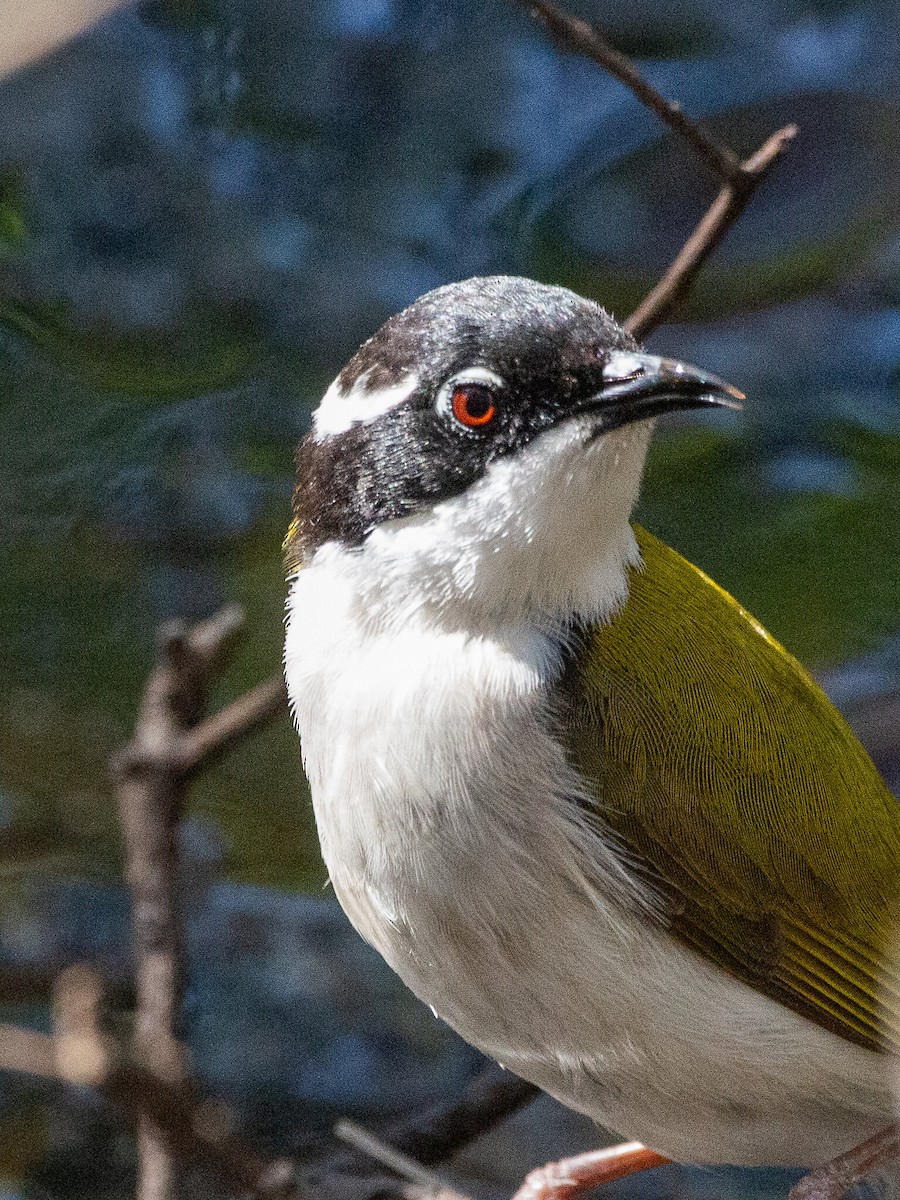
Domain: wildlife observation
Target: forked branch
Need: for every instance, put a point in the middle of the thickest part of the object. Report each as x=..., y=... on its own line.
x=150, y=776
x=739, y=178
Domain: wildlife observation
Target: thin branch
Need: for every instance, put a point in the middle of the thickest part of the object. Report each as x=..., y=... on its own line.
x=437, y=1133
x=197, y=1133
x=572, y=34
x=389, y=1156
x=200, y=1133
x=231, y=724
x=80, y=1053
x=170, y=745
x=488, y=1098
x=739, y=179
x=73, y=1058
x=712, y=227
x=150, y=784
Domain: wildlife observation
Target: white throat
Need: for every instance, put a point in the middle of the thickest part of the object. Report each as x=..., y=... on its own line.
x=542, y=537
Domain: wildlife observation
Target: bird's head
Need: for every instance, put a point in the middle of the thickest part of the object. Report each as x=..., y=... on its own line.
x=483, y=451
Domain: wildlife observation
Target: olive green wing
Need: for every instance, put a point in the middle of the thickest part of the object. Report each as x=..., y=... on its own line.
x=731, y=782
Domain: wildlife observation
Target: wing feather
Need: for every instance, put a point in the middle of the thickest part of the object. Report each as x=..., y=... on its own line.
x=727, y=775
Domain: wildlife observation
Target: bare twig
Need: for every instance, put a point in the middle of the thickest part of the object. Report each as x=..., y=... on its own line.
x=739, y=179
x=489, y=1098
x=389, y=1156
x=201, y=1133
x=220, y=732
x=80, y=1053
x=150, y=780
x=437, y=1133
x=712, y=227
x=573, y=34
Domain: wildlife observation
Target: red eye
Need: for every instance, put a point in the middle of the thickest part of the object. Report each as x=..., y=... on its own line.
x=473, y=405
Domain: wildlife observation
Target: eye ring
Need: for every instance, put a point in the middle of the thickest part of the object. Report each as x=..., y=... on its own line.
x=470, y=399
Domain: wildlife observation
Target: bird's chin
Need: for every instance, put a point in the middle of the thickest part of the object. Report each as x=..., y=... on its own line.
x=582, y=430
x=596, y=427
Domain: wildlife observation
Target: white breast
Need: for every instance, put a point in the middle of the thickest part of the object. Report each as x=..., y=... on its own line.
x=444, y=809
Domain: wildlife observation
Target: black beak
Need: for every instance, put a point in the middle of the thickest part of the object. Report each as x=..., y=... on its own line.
x=638, y=386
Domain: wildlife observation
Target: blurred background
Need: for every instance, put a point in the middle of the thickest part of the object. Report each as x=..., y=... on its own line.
x=205, y=205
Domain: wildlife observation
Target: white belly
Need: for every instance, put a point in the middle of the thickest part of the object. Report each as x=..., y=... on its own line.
x=445, y=815
x=620, y=1022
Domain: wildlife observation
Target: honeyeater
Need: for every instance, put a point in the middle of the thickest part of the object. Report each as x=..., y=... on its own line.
x=578, y=798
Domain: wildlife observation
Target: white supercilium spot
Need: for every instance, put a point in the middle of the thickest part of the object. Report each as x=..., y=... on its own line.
x=622, y=364
x=340, y=410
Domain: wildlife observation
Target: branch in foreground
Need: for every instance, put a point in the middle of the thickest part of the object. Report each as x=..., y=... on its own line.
x=740, y=179
x=200, y=1133
x=434, y=1135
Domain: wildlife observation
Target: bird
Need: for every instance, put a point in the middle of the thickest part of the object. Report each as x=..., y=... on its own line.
x=579, y=799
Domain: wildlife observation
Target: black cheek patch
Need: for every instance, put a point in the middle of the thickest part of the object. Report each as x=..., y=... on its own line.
x=395, y=466
x=415, y=460
x=392, y=467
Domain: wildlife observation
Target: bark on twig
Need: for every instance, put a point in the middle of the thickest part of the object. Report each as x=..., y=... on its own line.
x=230, y=725
x=80, y=1053
x=572, y=34
x=728, y=205
x=150, y=781
x=739, y=178
x=435, y=1135
x=388, y=1155
x=489, y=1098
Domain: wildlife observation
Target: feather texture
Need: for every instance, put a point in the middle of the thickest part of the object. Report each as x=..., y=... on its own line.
x=742, y=796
